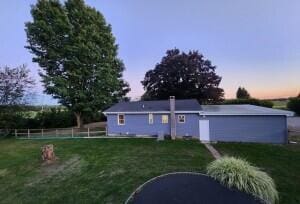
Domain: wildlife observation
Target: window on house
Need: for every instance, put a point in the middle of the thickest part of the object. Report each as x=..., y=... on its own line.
x=150, y=118
x=181, y=118
x=164, y=119
x=121, y=119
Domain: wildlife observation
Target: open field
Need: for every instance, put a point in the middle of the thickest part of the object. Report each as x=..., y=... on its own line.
x=281, y=162
x=280, y=104
x=91, y=170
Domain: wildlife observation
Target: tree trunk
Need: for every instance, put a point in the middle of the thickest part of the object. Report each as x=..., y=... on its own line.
x=79, y=120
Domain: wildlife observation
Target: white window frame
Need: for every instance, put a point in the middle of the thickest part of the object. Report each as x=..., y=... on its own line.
x=162, y=119
x=179, y=118
x=150, y=118
x=119, y=119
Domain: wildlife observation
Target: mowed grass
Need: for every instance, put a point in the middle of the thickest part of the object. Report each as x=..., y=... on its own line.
x=281, y=162
x=91, y=170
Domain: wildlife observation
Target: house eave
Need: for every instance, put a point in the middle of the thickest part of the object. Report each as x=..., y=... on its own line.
x=147, y=112
x=247, y=114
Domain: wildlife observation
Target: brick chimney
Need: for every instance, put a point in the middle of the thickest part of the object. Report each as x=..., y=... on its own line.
x=172, y=117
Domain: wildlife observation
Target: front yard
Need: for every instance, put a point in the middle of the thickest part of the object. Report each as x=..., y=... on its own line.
x=91, y=170
x=281, y=162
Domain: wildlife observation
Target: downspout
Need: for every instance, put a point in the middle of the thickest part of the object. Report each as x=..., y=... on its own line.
x=172, y=117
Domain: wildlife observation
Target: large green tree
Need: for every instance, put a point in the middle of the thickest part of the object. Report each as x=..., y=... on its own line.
x=183, y=75
x=76, y=50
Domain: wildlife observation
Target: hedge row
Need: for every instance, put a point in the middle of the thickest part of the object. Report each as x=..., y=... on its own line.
x=252, y=101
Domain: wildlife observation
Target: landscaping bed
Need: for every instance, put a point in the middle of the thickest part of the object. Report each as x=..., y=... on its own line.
x=91, y=170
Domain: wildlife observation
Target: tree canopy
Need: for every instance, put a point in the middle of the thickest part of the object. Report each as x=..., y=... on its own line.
x=294, y=105
x=14, y=82
x=183, y=75
x=242, y=93
x=76, y=50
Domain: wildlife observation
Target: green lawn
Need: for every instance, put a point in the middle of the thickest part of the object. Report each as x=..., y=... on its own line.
x=281, y=162
x=91, y=170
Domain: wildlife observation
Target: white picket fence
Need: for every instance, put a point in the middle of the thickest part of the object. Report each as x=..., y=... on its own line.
x=60, y=133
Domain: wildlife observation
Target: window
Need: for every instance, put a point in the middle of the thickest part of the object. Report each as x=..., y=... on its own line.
x=150, y=118
x=181, y=118
x=121, y=119
x=164, y=119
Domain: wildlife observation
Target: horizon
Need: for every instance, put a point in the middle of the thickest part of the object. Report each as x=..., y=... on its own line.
x=254, y=44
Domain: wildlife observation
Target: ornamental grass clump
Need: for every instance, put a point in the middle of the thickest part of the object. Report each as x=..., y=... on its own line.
x=238, y=173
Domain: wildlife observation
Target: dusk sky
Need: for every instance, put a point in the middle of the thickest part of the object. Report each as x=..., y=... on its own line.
x=254, y=43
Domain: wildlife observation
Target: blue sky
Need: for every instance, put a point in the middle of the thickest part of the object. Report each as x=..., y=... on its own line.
x=254, y=43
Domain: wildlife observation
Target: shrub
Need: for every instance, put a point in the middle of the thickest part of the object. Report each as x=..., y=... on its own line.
x=239, y=174
x=294, y=105
x=252, y=101
x=53, y=118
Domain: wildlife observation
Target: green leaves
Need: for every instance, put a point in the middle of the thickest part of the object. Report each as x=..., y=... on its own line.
x=294, y=105
x=76, y=50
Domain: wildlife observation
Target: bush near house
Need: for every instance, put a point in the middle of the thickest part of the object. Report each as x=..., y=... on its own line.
x=252, y=101
x=238, y=173
x=294, y=105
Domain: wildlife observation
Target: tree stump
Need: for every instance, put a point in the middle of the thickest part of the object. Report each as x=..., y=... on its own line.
x=48, y=155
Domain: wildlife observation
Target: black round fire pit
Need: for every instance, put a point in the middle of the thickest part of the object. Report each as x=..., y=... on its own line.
x=188, y=188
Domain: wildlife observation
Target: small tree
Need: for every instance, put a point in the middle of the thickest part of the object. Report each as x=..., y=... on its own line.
x=294, y=105
x=183, y=75
x=242, y=93
x=14, y=84
x=76, y=49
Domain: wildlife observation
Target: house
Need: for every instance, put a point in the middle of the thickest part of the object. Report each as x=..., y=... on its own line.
x=178, y=118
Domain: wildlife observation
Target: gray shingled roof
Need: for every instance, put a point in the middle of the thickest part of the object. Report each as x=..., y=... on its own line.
x=193, y=105
x=162, y=105
x=242, y=110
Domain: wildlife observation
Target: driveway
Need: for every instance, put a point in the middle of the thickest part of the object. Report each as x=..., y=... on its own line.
x=294, y=123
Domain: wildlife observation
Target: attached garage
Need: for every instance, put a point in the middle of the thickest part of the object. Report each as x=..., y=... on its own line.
x=245, y=123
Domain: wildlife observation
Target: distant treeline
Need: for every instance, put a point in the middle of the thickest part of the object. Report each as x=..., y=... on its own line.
x=41, y=107
x=252, y=101
x=35, y=117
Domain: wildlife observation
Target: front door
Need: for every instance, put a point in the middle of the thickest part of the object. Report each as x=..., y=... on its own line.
x=204, y=130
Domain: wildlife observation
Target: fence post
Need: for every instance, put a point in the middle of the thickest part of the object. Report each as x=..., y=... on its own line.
x=105, y=131
x=88, y=132
x=55, y=132
x=72, y=132
x=28, y=132
x=42, y=132
x=16, y=133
